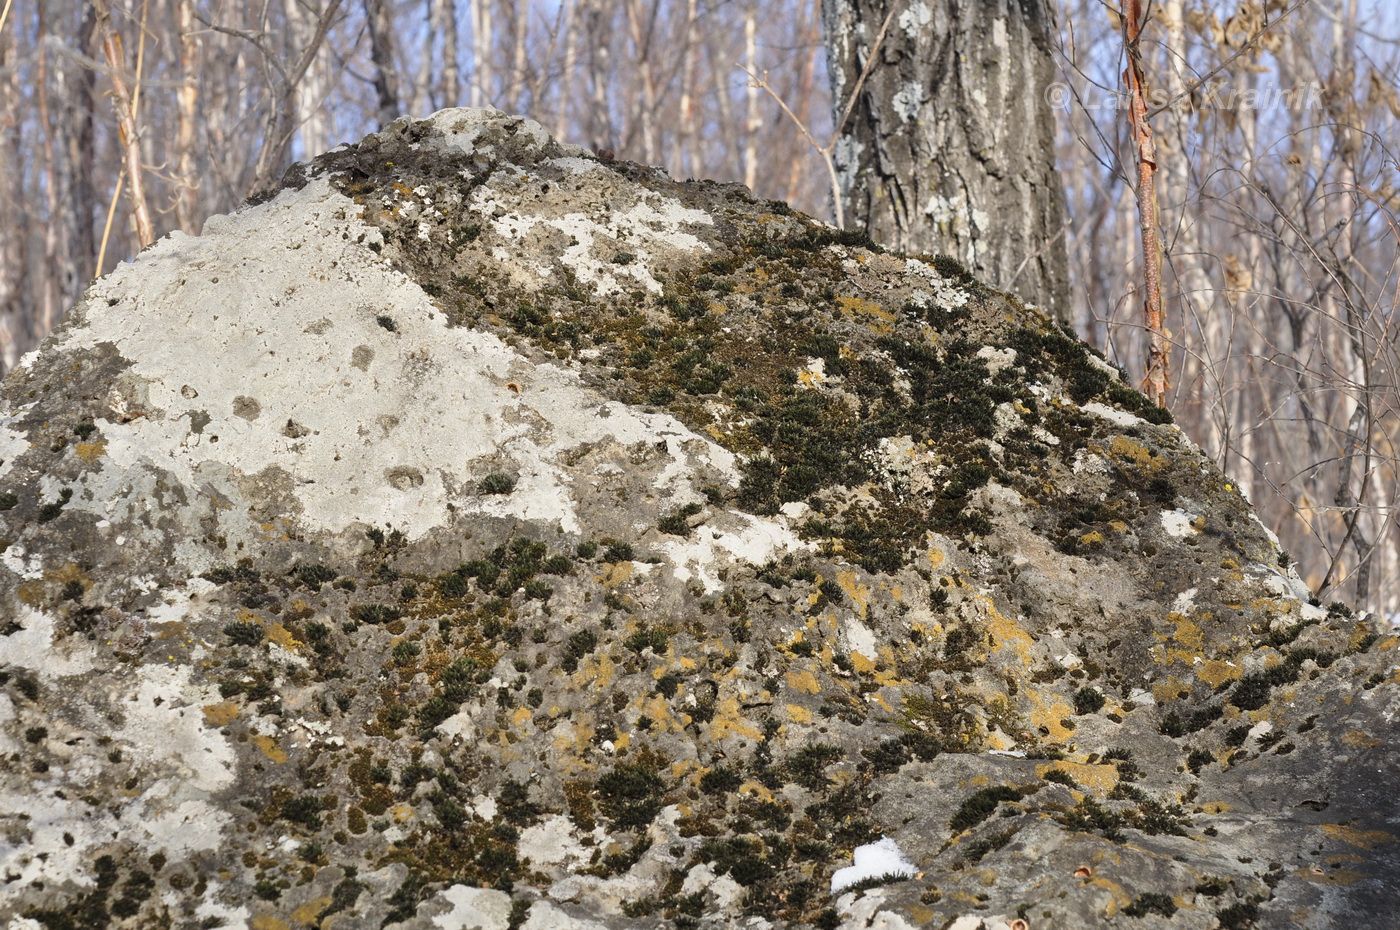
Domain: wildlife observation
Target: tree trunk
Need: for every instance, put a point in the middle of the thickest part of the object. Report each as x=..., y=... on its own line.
x=752, y=123
x=381, y=53
x=482, y=94
x=14, y=264
x=450, y=83
x=187, y=102
x=950, y=146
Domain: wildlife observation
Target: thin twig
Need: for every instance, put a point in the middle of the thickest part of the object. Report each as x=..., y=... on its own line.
x=870, y=60
x=828, y=151
x=1246, y=46
x=107, y=226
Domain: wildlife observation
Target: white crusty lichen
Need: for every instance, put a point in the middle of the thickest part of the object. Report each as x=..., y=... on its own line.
x=937, y=291
x=908, y=99
x=13, y=444
x=340, y=385
x=730, y=537
x=152, y=716
x=1113, y=415
x=916, y=16
x=610, y=251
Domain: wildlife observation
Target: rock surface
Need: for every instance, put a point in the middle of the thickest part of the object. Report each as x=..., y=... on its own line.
x=478, y=534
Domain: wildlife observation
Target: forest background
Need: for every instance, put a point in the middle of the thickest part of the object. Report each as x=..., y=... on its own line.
x=1275, y=123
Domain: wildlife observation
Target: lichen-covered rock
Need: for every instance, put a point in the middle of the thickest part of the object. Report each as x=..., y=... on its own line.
x=477, y=533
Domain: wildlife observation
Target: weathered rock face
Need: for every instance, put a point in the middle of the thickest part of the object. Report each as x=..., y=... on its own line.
x=479, y=534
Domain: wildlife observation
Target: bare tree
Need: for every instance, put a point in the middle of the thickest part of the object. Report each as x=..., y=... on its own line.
x=127, y=103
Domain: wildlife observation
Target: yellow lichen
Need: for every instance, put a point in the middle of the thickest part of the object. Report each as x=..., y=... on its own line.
x=857, y=592
x=729, y=720
x=91, y=452
x=220, y=714
x=1216, y=672
x=1100, y=778
x=1352, y=836
x=268, y=746
x=308, y=912
x=799, y=714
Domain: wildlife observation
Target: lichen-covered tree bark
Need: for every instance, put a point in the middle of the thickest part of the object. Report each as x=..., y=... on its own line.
x=949, y=147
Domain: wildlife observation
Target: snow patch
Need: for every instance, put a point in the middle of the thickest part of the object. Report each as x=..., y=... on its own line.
x=873, y=860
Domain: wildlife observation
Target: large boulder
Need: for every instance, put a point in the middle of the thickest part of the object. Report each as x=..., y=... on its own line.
x=480, y=533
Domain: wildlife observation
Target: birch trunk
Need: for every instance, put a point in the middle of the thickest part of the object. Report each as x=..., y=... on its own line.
x=186, y=101
x=751, y=120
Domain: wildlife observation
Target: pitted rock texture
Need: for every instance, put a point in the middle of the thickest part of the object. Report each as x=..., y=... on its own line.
x=476, y=533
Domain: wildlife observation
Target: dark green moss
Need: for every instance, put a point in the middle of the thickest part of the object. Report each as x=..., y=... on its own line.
x=1090, y=816
x=720, y=780
x=1088, y=701
x=244, y=634
x=497, y=483
x=677, y=522
x=807, y=767
x=648, y=637
x=376, y=614
x=313, y=576
x=980, y=805
x=50, y=511
x=304, y=810
x=978, y=850
x=1175, y=723
x=744, y=859
x=1238, y=916
x=578, y=645
x=618, y=551
x=1151, y=902
x=515, y=804
x=630, y=795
